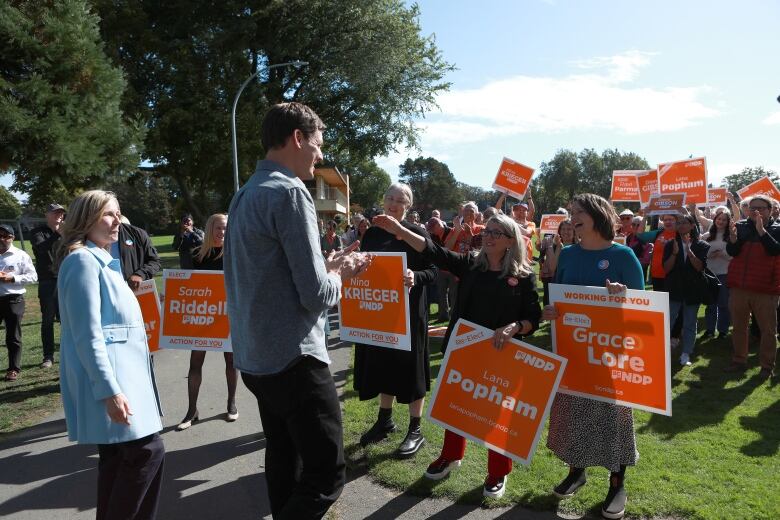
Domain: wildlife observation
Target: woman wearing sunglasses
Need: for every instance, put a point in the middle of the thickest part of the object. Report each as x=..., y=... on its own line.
x=496, y=292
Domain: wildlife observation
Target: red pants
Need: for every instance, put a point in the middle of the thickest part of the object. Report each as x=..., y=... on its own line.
x=455, y=448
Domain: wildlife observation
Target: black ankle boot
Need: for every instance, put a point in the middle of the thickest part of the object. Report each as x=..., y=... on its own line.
x=571, y=484
x=414, y=439
x=383, y=426
x=614, y=506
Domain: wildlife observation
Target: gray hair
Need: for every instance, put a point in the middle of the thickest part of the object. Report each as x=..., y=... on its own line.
x=471, y=204
x=403, y=188
x=514, y=262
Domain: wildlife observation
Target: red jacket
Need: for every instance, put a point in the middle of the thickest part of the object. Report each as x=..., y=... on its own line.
x=753, y=267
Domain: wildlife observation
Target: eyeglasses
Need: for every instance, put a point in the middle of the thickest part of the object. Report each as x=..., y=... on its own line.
x=635, y=224
x=627, y=217
x=758, y=208
x=5, y=237
x=494, y=233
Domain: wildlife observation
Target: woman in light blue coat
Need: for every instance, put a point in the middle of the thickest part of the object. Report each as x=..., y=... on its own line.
x=105, y=372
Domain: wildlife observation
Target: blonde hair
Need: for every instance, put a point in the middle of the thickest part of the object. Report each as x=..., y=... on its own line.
x=514, y=262
x=208, y=238
x=83, y=213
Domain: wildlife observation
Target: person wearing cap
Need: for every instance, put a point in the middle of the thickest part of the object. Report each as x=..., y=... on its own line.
x=44, y=239
x=626, y=221
x=16, y=271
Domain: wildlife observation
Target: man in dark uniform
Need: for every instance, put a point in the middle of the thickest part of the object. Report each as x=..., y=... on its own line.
x=44, y=239
x=137, y=255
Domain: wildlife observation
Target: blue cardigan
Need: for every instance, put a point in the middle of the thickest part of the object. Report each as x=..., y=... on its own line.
x=103, y=350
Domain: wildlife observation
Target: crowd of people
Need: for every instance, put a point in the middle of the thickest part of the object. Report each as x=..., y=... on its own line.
x=483, y=266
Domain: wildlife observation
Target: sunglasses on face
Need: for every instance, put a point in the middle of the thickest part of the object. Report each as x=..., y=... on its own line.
x=494, y=233
x=626, y=218
x=5, y=237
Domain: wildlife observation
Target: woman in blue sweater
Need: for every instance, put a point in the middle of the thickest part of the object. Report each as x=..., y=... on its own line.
x=584, y=432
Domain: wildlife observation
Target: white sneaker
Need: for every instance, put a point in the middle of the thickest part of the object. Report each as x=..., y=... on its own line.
x=494, y=488
x=685, y=359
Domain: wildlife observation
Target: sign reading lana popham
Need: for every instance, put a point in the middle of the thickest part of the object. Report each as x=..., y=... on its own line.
x=149, y=301
x=195, y=311
x=513, y=178
x=497, y=398
x=688, y=176
x=373, y=309
x=617, y=345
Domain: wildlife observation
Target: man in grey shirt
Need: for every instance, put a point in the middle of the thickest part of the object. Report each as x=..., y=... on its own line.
x=278, y=285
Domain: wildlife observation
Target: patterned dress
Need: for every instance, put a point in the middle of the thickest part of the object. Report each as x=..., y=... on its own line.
x=584, y=432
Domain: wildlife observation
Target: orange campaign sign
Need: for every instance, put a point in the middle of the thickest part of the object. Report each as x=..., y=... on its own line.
x=716, y=196
x=625, y=186
x=648, y=185
x=374, y=308
x=149, y=302
x=497, y=398
x=665, y=204
x=195, y=311
x=617, y=345
x=513, y=178
x=550, y=222
x=688, y=176
x=763, y=186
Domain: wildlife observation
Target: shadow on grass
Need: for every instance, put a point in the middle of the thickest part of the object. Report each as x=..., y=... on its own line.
x=704, y=402
x=18, y=395
x=765, y=424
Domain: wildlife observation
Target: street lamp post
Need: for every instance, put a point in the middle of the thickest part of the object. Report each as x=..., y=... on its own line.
x=296, y=64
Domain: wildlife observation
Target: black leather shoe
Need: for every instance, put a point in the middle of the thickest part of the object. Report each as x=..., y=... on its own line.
x=614, y=506
x=378, y=432
x=571, y=484
x=411, y=444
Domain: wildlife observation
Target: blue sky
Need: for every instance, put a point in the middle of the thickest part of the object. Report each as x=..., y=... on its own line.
x=663, y=79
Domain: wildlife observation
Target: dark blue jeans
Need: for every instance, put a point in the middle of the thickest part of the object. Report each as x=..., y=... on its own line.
x=717, y=314
x=304, y=454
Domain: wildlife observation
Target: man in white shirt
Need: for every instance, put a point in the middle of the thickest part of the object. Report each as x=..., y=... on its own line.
x=16, y=271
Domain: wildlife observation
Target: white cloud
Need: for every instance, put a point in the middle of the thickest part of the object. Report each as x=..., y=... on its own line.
x=772, y=119
x=605, y=96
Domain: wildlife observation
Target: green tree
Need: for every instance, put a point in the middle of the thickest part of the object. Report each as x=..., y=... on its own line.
x=370, y=74
x=146, y=201
x=569, y=173
x=432, y=182
x=368, y=183
x=61, y=125
x=10, y=208
x=737, y=181
x=484, y=198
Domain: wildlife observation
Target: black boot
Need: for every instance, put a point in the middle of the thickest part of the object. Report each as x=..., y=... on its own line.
x=383, y=426
x=614, y=506
x=571, y=484
x=414, y=439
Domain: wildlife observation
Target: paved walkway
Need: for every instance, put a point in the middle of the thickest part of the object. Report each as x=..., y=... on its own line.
x=214, y=470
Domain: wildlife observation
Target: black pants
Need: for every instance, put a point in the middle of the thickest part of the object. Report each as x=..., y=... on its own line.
x=11, y=312
x=47, y=294
x=129, y=478
x=304, y=455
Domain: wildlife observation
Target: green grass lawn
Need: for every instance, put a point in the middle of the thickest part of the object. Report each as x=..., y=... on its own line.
x=37, y=391
x=716, y=457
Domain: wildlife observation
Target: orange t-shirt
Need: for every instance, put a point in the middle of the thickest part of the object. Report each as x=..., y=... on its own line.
x=657, y=266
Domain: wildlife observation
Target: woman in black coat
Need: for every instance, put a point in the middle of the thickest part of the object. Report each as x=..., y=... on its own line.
x=685, y=258
x=496, y=291
x=392, y=374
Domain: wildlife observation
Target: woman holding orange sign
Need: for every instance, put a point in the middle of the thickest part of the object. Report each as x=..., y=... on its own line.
x=495, y=291
x=209, y=257
x=397, y=375
x=584, y=432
